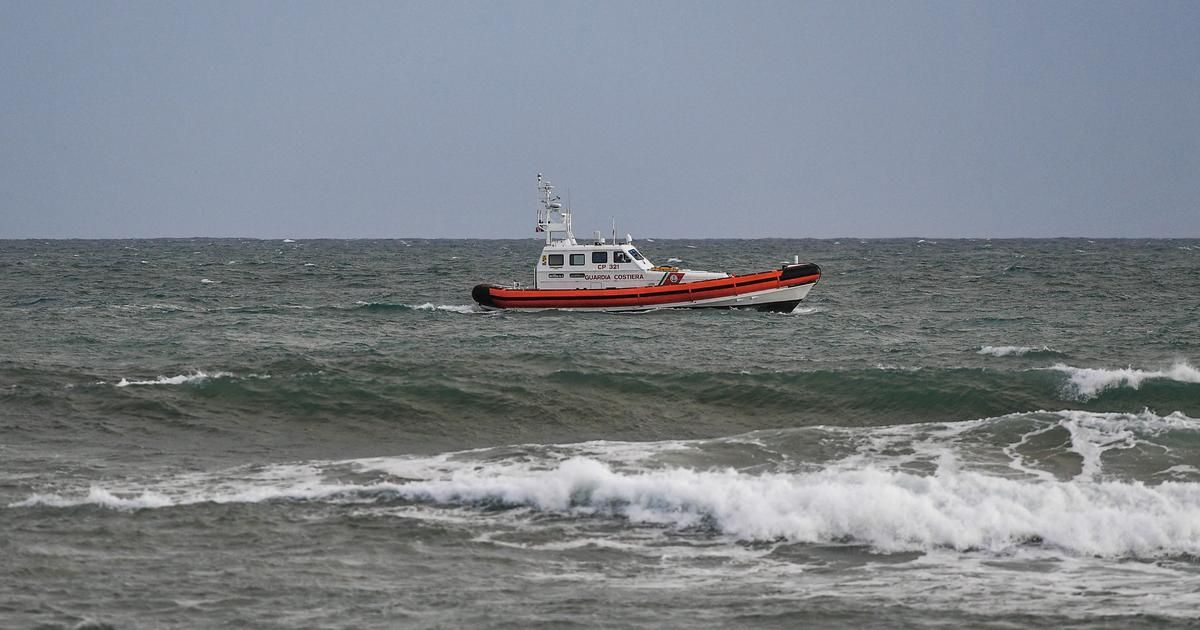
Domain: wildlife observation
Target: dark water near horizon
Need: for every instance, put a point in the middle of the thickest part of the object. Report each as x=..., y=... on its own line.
x=204, y=433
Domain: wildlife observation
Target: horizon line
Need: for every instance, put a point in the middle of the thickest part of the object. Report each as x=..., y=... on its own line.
x=649, y=238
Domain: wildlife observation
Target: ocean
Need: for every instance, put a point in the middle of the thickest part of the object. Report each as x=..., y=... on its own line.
x=228, y=433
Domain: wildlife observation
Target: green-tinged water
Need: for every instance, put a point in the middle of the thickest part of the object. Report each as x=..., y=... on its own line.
x=224, y=433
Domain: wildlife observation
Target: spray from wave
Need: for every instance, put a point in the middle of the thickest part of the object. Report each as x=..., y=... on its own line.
x=1086, y=383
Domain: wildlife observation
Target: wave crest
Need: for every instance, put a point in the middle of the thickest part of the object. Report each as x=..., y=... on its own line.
x=1087, y=383
x=890, y=511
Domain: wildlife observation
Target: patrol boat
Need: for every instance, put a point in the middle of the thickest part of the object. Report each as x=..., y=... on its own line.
x=604, y=275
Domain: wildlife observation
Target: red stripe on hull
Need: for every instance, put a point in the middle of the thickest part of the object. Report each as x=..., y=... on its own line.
x=681, y=294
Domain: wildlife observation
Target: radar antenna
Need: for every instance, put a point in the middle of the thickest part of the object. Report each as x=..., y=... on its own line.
x=552, y=217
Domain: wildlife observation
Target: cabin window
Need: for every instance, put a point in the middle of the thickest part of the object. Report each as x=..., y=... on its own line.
x=599, y=257
x=556, y=260
x=556, y=275
x=577, y=275
x=577, y=259
x=620, y=257
x=636, y=254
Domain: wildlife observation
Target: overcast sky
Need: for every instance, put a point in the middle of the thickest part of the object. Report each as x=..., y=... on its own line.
x=680, y=119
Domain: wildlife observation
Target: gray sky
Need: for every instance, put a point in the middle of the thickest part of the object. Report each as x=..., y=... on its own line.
x=680, y=119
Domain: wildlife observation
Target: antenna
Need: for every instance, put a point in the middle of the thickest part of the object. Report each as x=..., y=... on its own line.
x=552, y=217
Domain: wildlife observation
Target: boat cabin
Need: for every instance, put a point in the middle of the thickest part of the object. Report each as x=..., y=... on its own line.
x=592, y=266
x=600, y=264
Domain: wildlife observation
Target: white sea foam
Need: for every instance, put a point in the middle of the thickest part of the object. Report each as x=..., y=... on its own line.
x=181, y=379
x=1182, y=470
x=961, y=502
x=427, y=306
x=101, y=497
x=157, y=306
x=1094, y=434
x=452, y=308
x=1004, y=351
x=302, y=485
x=994, y=446
x=1087, y=383
x=896, y=368
x=888, y=510
x=1090, y=440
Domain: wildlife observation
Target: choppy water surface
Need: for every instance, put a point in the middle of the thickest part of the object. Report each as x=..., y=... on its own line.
x=223, y=433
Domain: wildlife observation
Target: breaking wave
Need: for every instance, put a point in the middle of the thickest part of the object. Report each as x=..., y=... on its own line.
x=890, y=511
x=870, y=499
x=887, y=510
x=1087, y=383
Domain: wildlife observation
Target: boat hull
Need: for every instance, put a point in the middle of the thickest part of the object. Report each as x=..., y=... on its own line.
x=775, y=290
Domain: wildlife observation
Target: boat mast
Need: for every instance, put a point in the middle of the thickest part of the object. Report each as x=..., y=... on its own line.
x=552, y=217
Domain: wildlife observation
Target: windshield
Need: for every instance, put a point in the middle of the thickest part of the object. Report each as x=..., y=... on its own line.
x=636, y=254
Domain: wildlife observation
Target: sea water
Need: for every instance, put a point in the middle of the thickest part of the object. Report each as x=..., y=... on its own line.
x=209, y=433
